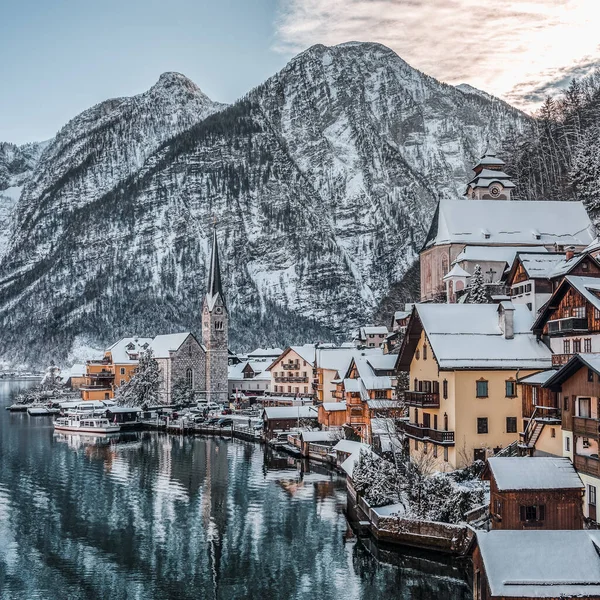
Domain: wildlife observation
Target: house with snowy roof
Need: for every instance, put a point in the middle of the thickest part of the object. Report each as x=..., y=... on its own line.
x=534, y=493
x=534, y=276
x=463, y=362
x=488, y=218
x=577, y=384
x=371, y=336
x=292, y=372
x=523, y=565
x=250, y=378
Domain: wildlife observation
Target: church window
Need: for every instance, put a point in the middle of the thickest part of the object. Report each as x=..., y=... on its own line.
x=219, y=310
x=189, y=377
x=219, y=325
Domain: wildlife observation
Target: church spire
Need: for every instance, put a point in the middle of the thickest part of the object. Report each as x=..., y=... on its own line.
x=214, y=288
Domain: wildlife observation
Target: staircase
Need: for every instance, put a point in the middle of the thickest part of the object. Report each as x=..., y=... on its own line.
x=531, y=435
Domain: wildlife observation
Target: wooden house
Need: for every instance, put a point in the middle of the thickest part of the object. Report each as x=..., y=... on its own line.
x=332, y=414
x=534, y=493
x=578, y=385
x=285, y=418
x=570, y=320
x=528, y=565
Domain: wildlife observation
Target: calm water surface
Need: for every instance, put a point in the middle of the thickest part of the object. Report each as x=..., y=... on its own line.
x=146, y=515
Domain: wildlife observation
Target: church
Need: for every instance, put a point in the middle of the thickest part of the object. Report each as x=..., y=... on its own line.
x=183, y=361
x=488, y=228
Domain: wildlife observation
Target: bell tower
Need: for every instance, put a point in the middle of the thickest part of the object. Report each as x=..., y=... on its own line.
x=215, y=330
x=490, y=181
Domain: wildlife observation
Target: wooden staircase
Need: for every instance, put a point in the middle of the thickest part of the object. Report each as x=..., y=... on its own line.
x=531, y=435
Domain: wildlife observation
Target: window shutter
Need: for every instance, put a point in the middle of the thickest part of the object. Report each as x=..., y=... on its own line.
x=522, y=514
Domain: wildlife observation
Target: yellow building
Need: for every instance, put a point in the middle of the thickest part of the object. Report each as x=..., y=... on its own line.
x=464, y=361
x=116, y=368
x=292, y=372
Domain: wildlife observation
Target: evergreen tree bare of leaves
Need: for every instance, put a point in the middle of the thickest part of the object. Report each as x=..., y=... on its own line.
x=142, y=388
x=477, y=293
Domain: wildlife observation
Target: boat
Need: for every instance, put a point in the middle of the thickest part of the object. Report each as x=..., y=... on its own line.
x=17, y=408
x=42, y=410
x=86, y=424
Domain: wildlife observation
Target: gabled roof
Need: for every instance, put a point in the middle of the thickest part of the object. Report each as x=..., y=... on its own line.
x=591, y=361
x=534, y=473
x=505, y=254
x=122, y=350
x=162, y=345
x=489, y=158
x=523, y=223
x=290, y=412
x=265, y=353
x=537, y=378
x=468, y=336
x=258, y=367
x=339, y=359
x=588, y=287
x=456, y=271
x=541, y=564
x=334, y=406
x=306, y=352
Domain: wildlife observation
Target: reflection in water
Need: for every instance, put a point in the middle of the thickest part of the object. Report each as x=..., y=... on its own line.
x=147, y=515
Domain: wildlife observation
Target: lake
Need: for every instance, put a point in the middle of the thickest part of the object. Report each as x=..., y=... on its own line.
x=150, y=515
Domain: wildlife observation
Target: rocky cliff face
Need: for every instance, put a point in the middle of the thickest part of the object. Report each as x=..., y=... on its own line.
x=322, y=182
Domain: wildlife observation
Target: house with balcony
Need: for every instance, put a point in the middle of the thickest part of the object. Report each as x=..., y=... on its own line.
x=463, y=362
x=570, y=321
x=292, y=372
x=371, y=336
x=249, y=378
x=578, y=385
x=534, y=276
x=541, y=431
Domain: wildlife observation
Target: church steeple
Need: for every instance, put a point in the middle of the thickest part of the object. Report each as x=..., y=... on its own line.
x=214, y=288
x=490, y=181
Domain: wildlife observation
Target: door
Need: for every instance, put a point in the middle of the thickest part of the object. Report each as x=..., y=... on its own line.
x=426, y=420
x=479, y=454
x=435, y=421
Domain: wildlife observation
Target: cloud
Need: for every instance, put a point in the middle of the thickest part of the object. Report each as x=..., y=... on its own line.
x=518, y=50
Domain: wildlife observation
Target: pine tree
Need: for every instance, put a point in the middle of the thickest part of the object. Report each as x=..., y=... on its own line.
x=477, y=293
x=142, y=388
x=182, y=392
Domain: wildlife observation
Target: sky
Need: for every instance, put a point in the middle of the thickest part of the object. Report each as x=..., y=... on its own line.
x=60, y=57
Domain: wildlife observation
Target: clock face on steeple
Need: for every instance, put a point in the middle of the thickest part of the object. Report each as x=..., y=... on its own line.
x=495, y=191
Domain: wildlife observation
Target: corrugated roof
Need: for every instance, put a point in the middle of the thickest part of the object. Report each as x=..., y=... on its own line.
x=534, y=473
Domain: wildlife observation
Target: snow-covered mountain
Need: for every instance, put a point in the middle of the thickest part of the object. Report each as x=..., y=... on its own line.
x=322, y=182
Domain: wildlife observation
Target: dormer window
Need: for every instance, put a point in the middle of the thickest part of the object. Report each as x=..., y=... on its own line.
x=486, y=234
x=536, y=234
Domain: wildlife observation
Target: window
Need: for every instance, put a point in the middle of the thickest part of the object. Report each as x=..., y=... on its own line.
x=446, y=453
x=435, y=451
x=417, y=445
x=576, y=346
x=553, y=432
x=306, y=389
x=417, y=354
x=587, y=345
x=122, y=370
x=289, y=389
x=511, y=424
x=276, y=390
x=566, y=403
x=482, y=389
x=596, y=313
x=532, y=512
x=416, y=385
x=592, y=495
x=590, y=375
x=482, y=425
x=567, y=444
x=424, y=447
x=445, y=388
x=189, y=378
x=424, y=351
x=498, y=507
x=578, y=312
x=122, y=382
x=566, y=346
x=219, y=325
x=511, y=389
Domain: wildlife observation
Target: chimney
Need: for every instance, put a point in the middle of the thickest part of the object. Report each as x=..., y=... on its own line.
x=570, y=252
x=506, y=319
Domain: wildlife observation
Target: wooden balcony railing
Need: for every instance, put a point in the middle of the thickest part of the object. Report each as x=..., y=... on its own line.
x=291, y=379
x=586, y=427
x=422, y=399
x=427, y=433
x=587, y=464
x=290, y=366
x=568, y=325
x=558, y=360
x=101, y=375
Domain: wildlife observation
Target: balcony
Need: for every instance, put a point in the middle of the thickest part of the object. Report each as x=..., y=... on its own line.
x=587, y=464
x=106, y=375
x=96, y=387
x=422, y=399
x=558, y=360
x=568, y=325
x=290, y=366
x=427, y=434
x=585, y=427
x=291, y=379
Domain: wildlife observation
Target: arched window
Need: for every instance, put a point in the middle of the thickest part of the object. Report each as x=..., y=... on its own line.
x=444, y=265
x=219, y=325
x=189, y=377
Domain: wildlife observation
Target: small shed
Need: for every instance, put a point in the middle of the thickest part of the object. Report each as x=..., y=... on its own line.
x=523, y=565
x=332, y=414
x=284, y=418
x=123, y=415
x=534, y=493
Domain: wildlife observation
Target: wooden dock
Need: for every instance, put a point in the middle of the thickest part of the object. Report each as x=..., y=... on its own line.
x=242, y=432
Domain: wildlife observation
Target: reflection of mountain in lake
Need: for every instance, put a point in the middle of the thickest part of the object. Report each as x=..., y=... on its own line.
x=173, y=517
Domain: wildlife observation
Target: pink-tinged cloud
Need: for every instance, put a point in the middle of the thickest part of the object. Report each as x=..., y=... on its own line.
x=517, y=50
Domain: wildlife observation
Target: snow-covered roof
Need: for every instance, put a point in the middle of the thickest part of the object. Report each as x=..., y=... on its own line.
x=528, y=223
x=541, y=564
x=349, y=446
x=265, y=353
x=588, y=287
x=468, y=336
x=490, y=159
x=291, y=412
x=305, y=352
x=591, y=361
x=374, y=330
x=352, y=385
x=339, y=359
x=122, y=350
x=123, y=409
x=334, y=406
x=162, y=344
x=367, y=376
x=258, y=366
x=538, y=378
x=456, y=271
x=77, y=370
x=318, y=436
x=534, y=473
x=401, y=314
x=546, y=266
x=505, y=254
x=383, y=362
x=383, y=404
x=348, y=465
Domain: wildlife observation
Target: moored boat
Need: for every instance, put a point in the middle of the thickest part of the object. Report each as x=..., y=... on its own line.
x=86, y=424
x=43, y=410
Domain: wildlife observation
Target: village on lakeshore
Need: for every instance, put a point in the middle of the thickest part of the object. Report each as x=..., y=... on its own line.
x=467, y=425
